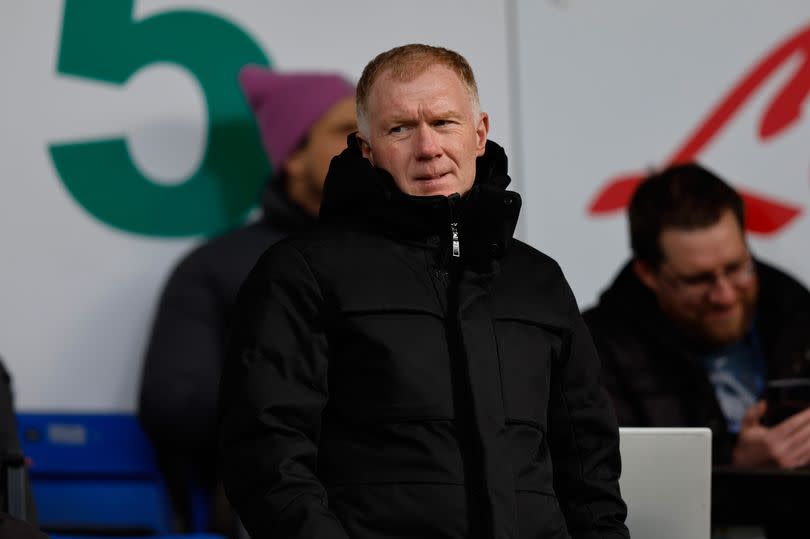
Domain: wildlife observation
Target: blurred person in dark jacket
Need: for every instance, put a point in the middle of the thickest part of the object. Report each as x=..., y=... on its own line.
x=18, y=496
x=694, y=326
x=407, y=368
x=304, y=119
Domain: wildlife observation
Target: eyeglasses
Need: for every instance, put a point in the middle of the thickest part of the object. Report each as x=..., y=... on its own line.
x=738, y=274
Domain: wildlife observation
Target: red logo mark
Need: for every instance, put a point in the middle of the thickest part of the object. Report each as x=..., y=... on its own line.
x=765, y=215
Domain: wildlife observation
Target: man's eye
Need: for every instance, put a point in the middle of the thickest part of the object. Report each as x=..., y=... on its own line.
x=698, y=280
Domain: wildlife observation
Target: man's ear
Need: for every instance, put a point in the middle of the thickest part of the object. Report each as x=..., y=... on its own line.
x=646, y=274
x=365, y=147
x=295, y=164
x=481, y=131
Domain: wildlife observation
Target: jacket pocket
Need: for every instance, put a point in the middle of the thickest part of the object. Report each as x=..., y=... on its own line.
x=390, y=364
x=429, y=510
x=526, y=351
x=539, y=515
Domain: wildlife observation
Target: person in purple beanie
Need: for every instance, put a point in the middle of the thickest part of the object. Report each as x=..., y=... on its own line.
x=304, y=119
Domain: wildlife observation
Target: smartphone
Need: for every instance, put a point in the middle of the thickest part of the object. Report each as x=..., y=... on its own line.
x=785, y=397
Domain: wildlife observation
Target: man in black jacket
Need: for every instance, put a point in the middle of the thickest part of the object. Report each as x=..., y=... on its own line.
x=408, y=369
x=304, y=119
x=694, y=327
x=19, y=497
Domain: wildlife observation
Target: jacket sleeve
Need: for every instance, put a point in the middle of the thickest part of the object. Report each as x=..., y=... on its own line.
x=584, y=439
x=274, y=389
x=183, y=361
x=613, y=379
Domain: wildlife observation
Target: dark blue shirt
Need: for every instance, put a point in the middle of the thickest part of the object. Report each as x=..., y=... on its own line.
x=737, y=372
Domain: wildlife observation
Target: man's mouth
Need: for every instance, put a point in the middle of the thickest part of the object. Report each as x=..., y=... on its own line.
x=431, y=176
x=723, y=312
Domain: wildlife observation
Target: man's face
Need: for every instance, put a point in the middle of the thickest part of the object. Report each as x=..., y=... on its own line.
x=308, y=166
x=706, y=283
x=425, y=132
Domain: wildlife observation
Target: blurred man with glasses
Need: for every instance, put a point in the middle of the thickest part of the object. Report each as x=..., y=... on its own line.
x=694, y=327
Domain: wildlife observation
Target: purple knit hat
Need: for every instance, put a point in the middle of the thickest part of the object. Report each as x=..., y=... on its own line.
x=287, y=105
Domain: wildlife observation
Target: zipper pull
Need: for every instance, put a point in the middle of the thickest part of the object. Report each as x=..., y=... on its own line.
x=452, y=200
x=456, y=243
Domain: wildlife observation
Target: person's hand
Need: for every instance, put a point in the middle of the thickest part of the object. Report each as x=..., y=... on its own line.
x=786, y=445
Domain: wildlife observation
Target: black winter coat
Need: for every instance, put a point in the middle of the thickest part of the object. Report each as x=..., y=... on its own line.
x=186, y=349
x=377, y=386
x=654, y=377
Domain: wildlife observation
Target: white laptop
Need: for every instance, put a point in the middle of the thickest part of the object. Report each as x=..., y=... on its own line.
x=666, y=482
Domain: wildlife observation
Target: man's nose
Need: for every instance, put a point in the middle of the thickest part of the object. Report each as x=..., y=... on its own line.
x=723, y=291
x=427, y=146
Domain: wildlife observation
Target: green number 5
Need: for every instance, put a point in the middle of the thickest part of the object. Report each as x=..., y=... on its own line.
x=101, y=41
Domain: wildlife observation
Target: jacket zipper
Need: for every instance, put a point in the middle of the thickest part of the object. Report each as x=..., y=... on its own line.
x=468, y=436
x=456, y=243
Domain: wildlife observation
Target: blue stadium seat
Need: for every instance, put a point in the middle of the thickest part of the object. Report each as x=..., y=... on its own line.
x=95, y=474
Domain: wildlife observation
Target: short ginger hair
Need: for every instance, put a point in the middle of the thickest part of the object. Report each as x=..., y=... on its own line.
x=407, y=62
